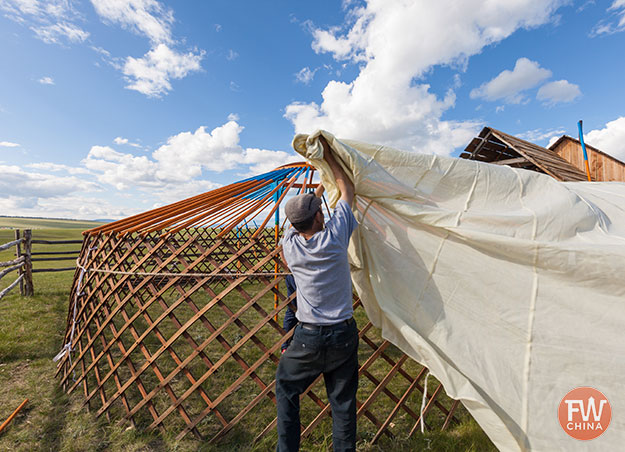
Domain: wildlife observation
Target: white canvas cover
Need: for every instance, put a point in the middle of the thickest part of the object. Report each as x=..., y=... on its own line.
x=507, y=284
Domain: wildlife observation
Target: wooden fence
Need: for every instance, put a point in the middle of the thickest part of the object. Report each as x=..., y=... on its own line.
x=25, y=256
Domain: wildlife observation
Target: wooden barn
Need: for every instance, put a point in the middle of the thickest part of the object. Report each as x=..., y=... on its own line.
x=563, y=161
x=603, y=167
x=494, y=146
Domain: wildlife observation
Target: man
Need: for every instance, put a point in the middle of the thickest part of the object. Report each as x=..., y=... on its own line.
x=290, y=321
x=326, y=339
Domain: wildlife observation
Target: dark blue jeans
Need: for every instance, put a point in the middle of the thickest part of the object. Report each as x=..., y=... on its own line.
x=289, y=315
x=333, y=352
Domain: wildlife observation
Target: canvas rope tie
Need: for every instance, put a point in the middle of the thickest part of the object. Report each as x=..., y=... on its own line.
x=423, y=400
x=67, y=348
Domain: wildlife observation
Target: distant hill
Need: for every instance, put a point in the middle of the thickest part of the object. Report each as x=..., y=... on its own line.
x=47, y=223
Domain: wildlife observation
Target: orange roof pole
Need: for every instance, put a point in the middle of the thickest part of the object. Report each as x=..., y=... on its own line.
x=181, y=212
x=275, y=206
x=198, y=209
x=10, y=418
x=211, y=214
x=167, y=210
x=211, y=208
x=225, y=231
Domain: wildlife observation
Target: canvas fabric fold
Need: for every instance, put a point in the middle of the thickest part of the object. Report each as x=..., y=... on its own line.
x=507, y=284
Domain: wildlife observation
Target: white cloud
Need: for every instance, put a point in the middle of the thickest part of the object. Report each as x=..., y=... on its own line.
x=184, y=155
x=234, y=87
x=233, y=117
x=21, y=7
x=509, y=85
x=538, y=135
x=56, y=167
x=121, y=170
x=38, y=8
x=19, y=183
x=457, y=81
x=175, y=171
x=395, y=44
x=105, y=53
x=174, y=192
x=151, y=74
x=615, y=23
x=66, y=206
x=46, y=81
x=143, y=17
x=55, y=33
x=182, y=160
x=232, y=55
x=8, y=144
x=558, y=91
x=305, y=75
x=124, y=141
x=53, y=21
x=552, y=140
x=610, y=139
x=262, y=160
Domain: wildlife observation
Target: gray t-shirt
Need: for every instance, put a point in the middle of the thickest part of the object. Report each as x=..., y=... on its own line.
x=320, y=268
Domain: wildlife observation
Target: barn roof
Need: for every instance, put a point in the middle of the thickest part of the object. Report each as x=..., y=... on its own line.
x=494, y=146
x=588, y=146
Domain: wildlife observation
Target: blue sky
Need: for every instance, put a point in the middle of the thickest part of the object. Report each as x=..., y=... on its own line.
x=111, y=107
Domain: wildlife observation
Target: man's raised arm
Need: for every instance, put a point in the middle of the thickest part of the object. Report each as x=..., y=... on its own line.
x=344, y=183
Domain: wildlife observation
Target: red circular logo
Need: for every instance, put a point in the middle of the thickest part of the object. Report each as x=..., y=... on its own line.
x=584, y=413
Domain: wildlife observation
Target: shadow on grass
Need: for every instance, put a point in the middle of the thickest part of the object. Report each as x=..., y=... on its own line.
x=54, y=424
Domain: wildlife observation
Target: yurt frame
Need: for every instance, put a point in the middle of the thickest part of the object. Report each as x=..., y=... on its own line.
x=173, y=323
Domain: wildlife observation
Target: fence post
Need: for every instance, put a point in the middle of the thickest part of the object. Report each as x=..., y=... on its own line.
x=18, y=253
x=28, y=264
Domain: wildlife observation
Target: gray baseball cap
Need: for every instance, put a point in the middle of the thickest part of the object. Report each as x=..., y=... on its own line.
x=302, y=207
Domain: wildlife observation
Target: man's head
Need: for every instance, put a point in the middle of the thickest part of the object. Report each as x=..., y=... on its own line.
x=304, y=212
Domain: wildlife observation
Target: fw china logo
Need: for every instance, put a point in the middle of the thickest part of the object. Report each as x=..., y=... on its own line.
x=584, y=413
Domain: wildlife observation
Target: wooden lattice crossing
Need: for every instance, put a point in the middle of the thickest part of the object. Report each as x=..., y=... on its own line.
x=180, y=331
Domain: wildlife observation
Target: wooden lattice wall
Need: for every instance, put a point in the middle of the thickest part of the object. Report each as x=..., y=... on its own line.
x=182, y=332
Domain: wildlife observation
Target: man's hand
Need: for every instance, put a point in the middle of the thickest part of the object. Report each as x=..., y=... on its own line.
x=344, y=183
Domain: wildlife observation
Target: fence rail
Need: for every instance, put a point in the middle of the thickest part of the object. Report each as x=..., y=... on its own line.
x=6, y=246
x=23, y=262
x=55, y=242
x=64, y=269
x=19, y=280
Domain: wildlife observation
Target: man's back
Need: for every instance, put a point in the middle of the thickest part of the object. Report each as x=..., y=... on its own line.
x=321, y=270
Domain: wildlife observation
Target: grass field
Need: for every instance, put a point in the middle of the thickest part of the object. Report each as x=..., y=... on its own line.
x=31, y=331
x=45, y=223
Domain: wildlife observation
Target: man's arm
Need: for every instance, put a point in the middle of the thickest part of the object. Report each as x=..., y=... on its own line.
x=344, y=183
x=319, y=190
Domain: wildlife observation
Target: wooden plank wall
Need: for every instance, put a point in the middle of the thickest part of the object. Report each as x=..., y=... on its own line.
x=602, y=167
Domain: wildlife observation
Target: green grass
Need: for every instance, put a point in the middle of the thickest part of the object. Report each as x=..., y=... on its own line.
x=31, y=333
